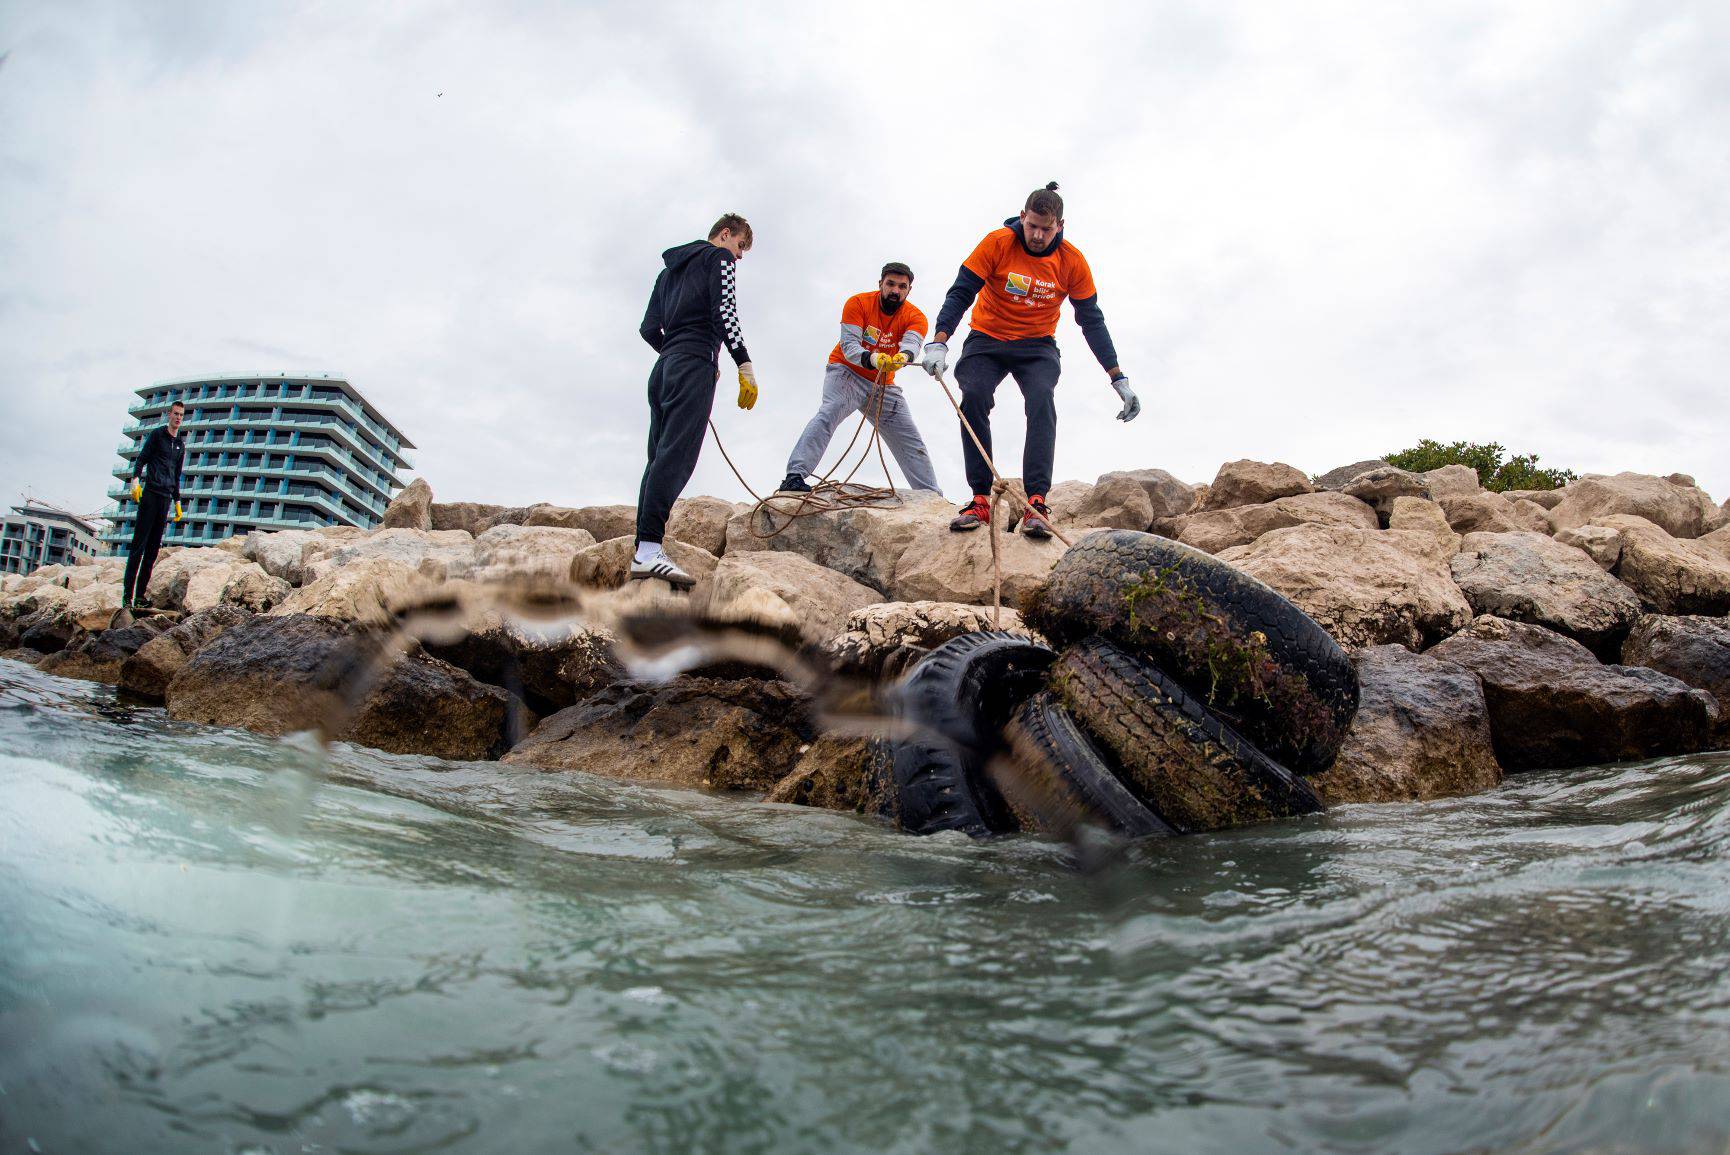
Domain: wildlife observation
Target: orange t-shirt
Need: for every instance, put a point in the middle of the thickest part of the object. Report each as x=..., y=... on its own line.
x=863, y=319
x=1022, y=292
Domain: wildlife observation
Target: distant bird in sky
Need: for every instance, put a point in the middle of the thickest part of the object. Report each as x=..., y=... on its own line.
x=441, y=94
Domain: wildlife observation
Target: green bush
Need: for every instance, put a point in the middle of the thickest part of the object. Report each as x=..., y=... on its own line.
x=1495, y=472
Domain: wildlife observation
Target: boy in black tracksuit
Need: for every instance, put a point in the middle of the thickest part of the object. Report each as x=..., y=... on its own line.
x=691, y=313
x=159, y=462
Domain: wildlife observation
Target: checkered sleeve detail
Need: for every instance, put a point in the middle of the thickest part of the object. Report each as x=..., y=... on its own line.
x=727, y=314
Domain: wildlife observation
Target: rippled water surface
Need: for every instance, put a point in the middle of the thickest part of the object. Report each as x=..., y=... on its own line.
x=211, y=941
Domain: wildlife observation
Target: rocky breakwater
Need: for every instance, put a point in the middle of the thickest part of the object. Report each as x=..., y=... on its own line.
x=1489, y=633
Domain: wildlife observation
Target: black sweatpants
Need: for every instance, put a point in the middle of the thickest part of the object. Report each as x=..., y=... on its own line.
x=1035, y=363
x=153, y=510
x=681, y=392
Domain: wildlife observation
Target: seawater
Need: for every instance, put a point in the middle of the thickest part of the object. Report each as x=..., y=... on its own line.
x=212, y=941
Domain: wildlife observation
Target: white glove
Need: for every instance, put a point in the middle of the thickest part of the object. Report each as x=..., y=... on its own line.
x=1131, y=403
x=935, y=359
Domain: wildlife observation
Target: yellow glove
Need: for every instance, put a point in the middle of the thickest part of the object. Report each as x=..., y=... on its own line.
x=888, y=362
x=137, y=490
x=177, y=512
x=747, y=386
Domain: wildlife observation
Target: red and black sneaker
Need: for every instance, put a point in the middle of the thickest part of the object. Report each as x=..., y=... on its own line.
x=1036, y=522
x=973, y=515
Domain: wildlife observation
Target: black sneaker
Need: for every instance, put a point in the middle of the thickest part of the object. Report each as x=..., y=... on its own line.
x=973, y=515
x=793, y=483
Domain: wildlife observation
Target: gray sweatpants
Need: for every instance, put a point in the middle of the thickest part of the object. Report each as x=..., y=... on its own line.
x=846, y=393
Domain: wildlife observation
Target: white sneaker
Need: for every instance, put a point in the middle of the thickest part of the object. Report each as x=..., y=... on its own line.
x=663, y=567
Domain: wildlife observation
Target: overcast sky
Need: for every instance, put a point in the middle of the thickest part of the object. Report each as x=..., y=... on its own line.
x=1320, y=231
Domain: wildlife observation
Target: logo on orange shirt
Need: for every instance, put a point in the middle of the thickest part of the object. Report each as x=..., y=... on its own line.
x=1018, y=285
x=871, y=335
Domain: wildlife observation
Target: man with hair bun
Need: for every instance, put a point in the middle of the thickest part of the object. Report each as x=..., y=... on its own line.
x=1020, y=275
x=880, y=332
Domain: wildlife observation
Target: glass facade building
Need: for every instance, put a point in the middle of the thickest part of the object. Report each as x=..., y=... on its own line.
x=34, y=534
x=265, y=452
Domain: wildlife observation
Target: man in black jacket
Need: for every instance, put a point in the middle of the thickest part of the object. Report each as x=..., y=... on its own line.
x=159, y=462
x=692, y=312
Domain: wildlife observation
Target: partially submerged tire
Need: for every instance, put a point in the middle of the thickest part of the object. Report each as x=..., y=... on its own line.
x=1244, y=649
x=1056, y=778
x=950, y=711
x=1173, y=754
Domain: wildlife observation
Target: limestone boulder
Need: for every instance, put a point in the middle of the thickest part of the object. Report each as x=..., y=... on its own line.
x=1222, y=529
x=147, y=671
x=1718, y=541
x=249, y=587
x=283, y=554
x=98, y=656
x=174, y=572
x=1682, y=511
x=94, y=606
x=1529, y=577
x=410, y=509
x=1167, y=496
x=1480, y=512
x=1337, y=477
x=365, y=591
x=1422, y=731
x=1365, y=587
x=1545, y=499
x=1116, y=500
x=434, y=554
x=420, y=705
x=710, y=733
x=884, y=640
x=1379, y=488
x=603, y=522
x=526, y=553
x=938, y=565
x=1692, y=649
x=1451, y=481
x=1246, y=482
x=864, y=542
x=1671, y=576
x=1601, y=543
x=465, y=515
x=1422, y=516
x=820, y=599
x=839, y=772
x=549, y=665
x=607, y=564
x=1553, y=705
x=698, y=521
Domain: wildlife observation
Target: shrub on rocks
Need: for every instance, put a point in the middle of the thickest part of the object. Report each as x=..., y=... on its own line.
x=1422, y=731
x=1553, y=705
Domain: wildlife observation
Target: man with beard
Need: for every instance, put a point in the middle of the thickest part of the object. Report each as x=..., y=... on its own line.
x=880, y=332
x=1020, y=274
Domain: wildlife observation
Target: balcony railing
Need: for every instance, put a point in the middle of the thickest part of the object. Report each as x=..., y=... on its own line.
x=390, y=441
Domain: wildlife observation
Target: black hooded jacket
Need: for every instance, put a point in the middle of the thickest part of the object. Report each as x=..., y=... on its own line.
x=693, y=308
x=159, y=462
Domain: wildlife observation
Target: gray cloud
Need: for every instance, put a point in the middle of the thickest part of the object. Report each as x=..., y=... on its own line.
x=1319, y=233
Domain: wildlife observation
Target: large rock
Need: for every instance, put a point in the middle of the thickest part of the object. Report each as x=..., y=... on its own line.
x=1221, y=529
x=435, y=554
x=1692, y=649
x=94, y=606
x=1337, y=477
x=885, y=639
x=1601, y=543
x=741, y=734
x=98, y=657
x=549, y=667
x=281, y=674
x=1528, y=577
x=698, y=521
x=838, y=772
x=284, y=554
x=410, y=509
x=819, y=599
x=1117, y=500
x=1423, y=516
x=1451, y=481
x=1671, y=576
x=1167, y=496
x=174, y=572
x=147, y=672
x=1246, y=482
x=1365, y=587
x=465, y=515
x=948, y=567
x=366, y=591
x=603, y=522
x=249, y=587
x=864, y=542
x=1422, y=731
x=1682, y=511
x=1546, y=499
x=1480, y=511
x=607, y=564
x=525, y=552
x=1552, y=704
x=1380, y=487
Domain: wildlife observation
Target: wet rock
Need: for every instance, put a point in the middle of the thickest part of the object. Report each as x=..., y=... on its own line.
x=839, y=772
x=410, y=509
x=1422, y=731
x=1528, y=577
x=884, y=640
x=698, y=521
x=1338, y=477
x=607, y=565
x=147, y=672
x=1671, y=576
x=1365, y=587
x=98, y=656
x=743, y=734
x=421, y=705
x=1553, y=705
x=1681, y=511
x=819, y=599
x=1380, y=487
x=21, y=654
x=1692, y=649
x=1117, y=500
x=549, y=668
x=365, y=591
x=47, y=631
x=1246, y=482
